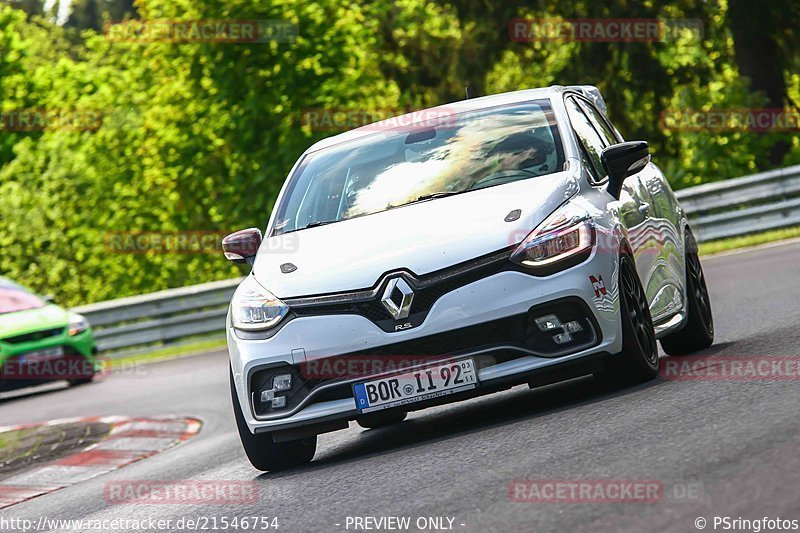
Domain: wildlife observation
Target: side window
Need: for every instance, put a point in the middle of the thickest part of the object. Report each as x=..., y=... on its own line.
x=590, y=140
x=600, y=123
x=587, y=162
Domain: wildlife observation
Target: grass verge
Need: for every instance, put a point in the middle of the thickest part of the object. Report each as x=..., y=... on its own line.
x=732, y=243
x=169, y=352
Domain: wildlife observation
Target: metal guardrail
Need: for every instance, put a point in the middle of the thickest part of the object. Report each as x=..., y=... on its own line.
x=160, y=317
x=761, y=202
x=764, y=201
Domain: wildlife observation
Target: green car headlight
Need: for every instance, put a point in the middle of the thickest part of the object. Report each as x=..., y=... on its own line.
x=77, y=324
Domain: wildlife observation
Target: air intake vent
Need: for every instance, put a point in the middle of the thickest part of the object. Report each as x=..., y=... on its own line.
x=34, y=335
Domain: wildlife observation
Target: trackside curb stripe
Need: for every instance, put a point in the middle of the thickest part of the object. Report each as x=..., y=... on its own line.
x=130, y=440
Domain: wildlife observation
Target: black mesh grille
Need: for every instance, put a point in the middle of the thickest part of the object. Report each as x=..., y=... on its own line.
x=509, y=330
x=34, y=336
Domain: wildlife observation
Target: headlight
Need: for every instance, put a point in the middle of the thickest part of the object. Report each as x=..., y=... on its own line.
x=563, y=240
x=77, y=324
x=254, y=308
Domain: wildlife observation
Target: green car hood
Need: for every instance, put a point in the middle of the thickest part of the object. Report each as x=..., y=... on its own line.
x=20, y=322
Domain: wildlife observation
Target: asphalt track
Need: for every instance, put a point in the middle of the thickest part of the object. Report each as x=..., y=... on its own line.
x=717, y=447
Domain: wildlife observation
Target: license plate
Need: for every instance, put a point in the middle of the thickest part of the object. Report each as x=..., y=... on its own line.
x=42, y=355
x=415, y=386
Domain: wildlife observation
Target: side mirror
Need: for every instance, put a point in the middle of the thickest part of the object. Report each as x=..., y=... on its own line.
x=623, y=160
x=49, y=298
x=241, y=246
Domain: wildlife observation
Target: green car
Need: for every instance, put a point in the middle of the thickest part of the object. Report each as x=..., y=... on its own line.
x=41, y=342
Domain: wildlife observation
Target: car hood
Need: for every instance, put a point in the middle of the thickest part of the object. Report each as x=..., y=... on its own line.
x=20, y=322
x=422, y=237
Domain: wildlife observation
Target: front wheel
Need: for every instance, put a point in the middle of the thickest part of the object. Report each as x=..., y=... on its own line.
x=698, y=332
x=88, y=371
x=265, y=454
x=638, y=361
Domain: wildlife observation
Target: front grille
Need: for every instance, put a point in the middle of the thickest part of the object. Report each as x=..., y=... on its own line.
x=505, y=331
x=34, y=336
x=489, y=343
x=427, y=290
x=510, y=331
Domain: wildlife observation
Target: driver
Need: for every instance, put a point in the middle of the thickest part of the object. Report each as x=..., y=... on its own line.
x=522, y=151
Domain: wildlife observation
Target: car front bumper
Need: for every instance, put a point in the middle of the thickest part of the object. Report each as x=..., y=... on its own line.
x=78, y=362
x=505, y=294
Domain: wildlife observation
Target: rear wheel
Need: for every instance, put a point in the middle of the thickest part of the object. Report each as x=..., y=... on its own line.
x=698, y=332
x=638, y=361
x=263, y=453
x=379, y=420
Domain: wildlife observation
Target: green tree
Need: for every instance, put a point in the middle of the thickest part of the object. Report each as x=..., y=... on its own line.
x=766, y=44
x=201, y=135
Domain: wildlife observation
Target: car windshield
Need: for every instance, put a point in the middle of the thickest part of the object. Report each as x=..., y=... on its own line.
x=14, y=298
x=388, y=169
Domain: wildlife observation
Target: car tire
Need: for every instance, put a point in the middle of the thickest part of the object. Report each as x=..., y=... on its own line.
x=84, y=381
x=379, y=420
x=698, y=331
x=638, y=361
x=265, y=454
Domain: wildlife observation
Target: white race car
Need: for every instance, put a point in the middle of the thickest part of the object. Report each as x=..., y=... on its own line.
x=504, y=240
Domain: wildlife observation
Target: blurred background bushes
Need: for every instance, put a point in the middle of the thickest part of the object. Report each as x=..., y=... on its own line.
x=200, y=136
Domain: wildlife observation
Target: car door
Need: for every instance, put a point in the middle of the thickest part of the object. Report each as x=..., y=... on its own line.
x=633, y=205
x=666, y=244
x=658, y=232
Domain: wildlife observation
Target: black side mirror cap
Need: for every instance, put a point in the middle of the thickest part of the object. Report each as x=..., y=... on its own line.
x=622, y=161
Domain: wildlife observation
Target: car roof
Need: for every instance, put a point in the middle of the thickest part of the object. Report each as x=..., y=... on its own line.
x=461, y=106
x=6, y=283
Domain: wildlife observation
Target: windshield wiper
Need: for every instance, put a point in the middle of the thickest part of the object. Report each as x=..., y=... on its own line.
x=431, y=196
x=317, y=223
x=314, y=224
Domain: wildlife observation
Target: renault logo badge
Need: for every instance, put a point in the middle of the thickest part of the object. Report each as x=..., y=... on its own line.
x=397, y=298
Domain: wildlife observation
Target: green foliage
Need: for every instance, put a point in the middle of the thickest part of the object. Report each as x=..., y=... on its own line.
x=200, y=136
x=196, y=136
